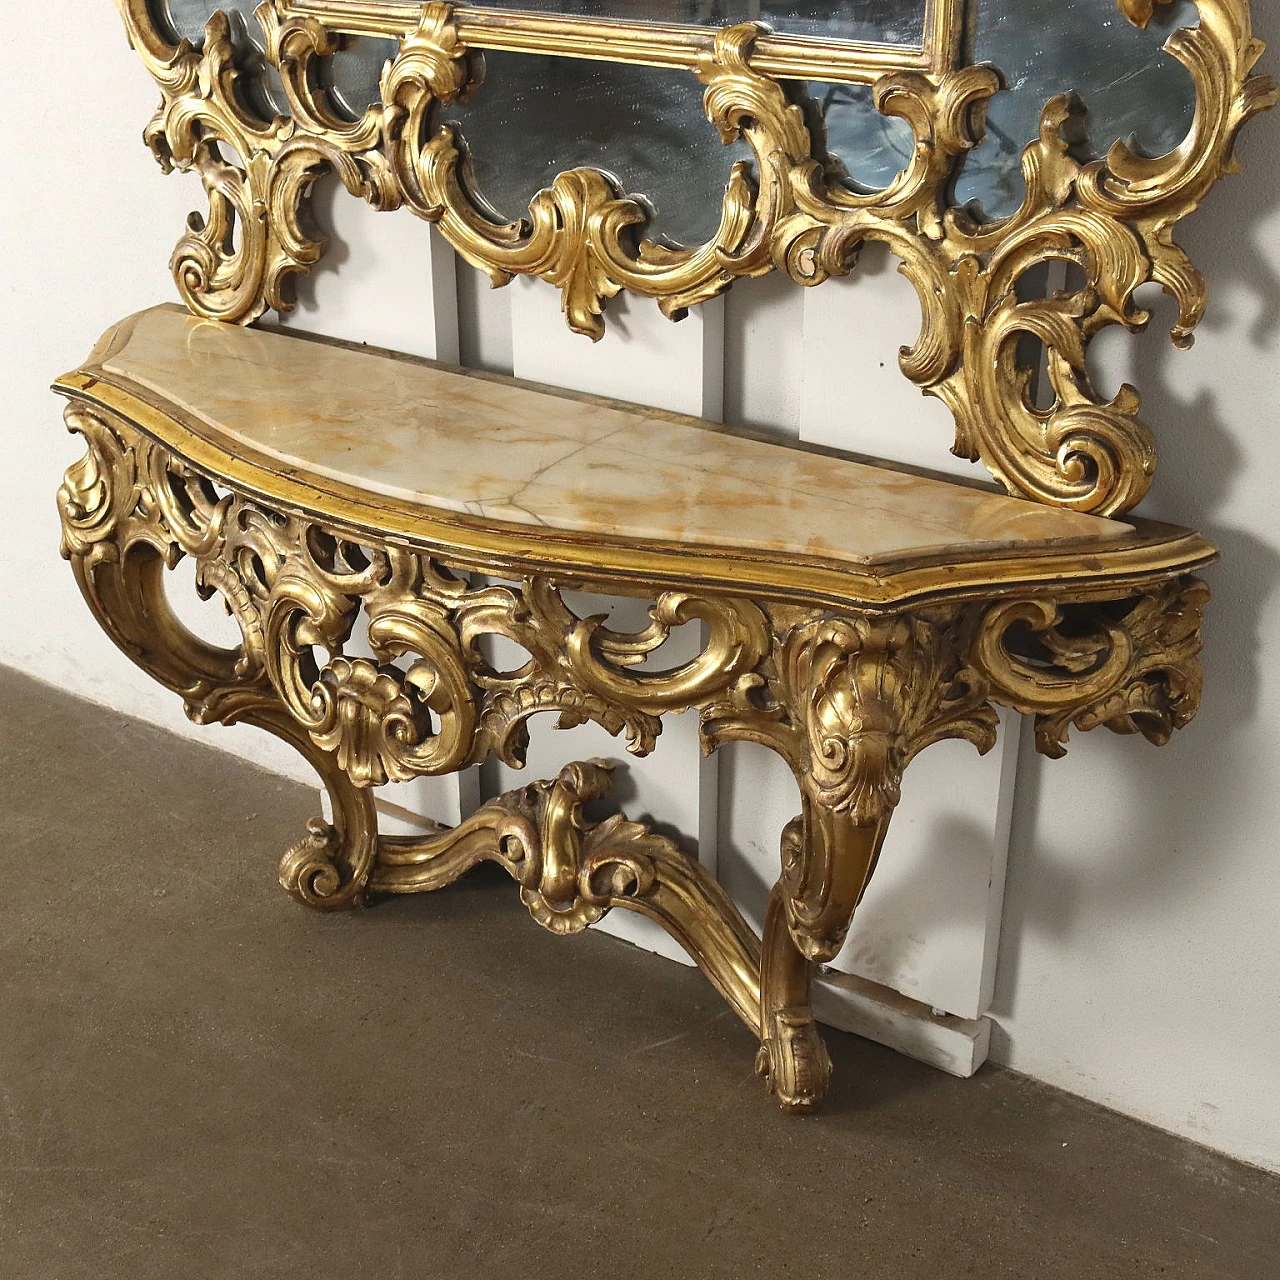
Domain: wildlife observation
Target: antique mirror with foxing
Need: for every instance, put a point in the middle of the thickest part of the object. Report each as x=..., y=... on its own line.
x=670, y=147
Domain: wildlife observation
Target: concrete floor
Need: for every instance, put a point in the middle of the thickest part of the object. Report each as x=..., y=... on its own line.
x=201, y=1079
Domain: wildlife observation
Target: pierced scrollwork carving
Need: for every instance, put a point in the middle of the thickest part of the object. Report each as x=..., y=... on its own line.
x=235, y=263
x=129, y=513
x=847, y=699
x=425, y=699
x=385, y=724
x=1114, y=219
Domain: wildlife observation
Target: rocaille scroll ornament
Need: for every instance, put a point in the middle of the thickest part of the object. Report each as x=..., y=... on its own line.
x=847, y=699
x=846, y=696
x=1113, y=219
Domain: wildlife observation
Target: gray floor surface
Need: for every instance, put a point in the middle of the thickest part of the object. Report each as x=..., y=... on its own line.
x=199, y=1078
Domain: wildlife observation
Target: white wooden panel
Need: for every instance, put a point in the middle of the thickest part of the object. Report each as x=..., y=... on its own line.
x=484, y=321
x=389, y=281
x=646, y=358
x=855, y=394
x=958, y=1046
x=643, y=356
x=929, y=925
x=764, y=355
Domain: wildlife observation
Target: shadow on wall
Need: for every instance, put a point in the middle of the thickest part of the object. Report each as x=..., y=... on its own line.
x=919, y=916
x=326, y=193
x=887, y=956
x=1169, y=805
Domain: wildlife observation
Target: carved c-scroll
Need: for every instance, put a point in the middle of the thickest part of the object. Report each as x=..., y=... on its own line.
x=1114, y=218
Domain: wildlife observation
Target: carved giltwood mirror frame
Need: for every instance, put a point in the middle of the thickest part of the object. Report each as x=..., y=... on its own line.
x=789, y=208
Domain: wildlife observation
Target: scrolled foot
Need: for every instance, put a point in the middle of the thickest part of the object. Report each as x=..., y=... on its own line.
x=313, y=871
x=793, y=1061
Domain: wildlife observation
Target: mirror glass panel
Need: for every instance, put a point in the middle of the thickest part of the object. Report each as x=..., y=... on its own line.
x=895, y=22
x=261, y=87
x=870, y=149
x=1131, y=88
x=643, y=126
x=537, y=115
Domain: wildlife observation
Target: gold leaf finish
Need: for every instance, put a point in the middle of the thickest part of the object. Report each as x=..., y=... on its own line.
x=656, y=44
x=844, y=664
x=572, y=872
x=1114, y=219
x=846, y=696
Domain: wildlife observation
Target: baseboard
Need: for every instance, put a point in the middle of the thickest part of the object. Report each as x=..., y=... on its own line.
x=958, y=1046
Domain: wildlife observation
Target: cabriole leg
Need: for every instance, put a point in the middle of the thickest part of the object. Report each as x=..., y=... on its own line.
x=827, y=862
x=329, y=867
x=129, y=515
x=792, y=1060
x=848, y=702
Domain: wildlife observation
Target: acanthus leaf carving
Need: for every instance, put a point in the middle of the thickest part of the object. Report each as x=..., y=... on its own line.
x=1133, y=667
x=849, y=702
x=1113, y=218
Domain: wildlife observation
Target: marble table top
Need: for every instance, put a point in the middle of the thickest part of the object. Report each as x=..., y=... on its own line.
x=490, y=448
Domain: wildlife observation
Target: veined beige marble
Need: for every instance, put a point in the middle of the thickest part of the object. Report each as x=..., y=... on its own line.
x=526, y=457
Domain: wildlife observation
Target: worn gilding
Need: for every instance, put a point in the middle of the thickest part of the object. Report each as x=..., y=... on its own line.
x=846, y=667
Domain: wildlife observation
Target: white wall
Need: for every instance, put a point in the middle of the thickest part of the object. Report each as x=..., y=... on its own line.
x=87, y=223
x=1140, y=963
x=1140, y=955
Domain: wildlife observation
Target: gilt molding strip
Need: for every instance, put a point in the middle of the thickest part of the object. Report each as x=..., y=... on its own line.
x=654, y=44
x=1114, y=218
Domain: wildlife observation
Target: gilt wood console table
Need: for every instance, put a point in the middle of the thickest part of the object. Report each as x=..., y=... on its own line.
x=851, y=614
